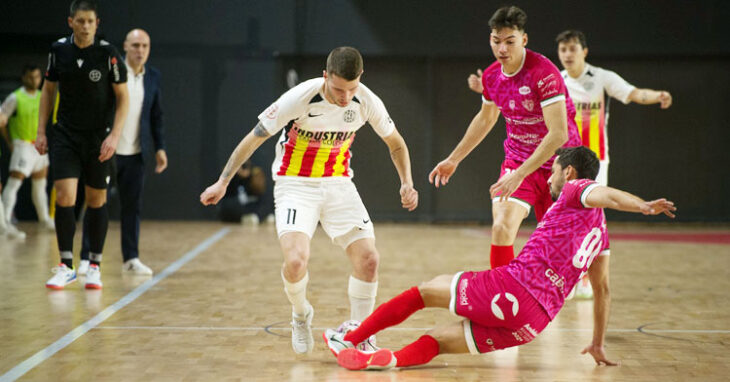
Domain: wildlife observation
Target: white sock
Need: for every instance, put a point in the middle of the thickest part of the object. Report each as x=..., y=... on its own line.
x=3, y=222
x=297, y=294
x=10, y=194
x=40, y=199
x=362, y=298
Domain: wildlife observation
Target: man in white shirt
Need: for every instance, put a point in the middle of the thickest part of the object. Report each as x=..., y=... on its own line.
x=143, y=127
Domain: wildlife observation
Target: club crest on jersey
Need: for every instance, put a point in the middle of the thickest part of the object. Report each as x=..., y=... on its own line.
x=512, y=104
x=349, y=116
x=588, y=85
x=528, y=104
x=525, y=90
x=95, y=75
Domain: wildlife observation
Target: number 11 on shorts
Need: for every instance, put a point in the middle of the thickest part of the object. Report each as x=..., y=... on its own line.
x=291, y=216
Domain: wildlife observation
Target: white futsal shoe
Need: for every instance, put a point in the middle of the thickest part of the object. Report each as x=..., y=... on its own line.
x=12, y=232
x=368, y=345
x=335, y=341
x=63, y=276
x=301, y=332
x=48, y=225
x=93, y=277
x=135, y=267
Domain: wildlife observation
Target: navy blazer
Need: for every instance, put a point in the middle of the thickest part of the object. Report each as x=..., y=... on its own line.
x=152, y=133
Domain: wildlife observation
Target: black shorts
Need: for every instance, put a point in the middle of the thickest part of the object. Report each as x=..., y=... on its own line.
x=75, y=154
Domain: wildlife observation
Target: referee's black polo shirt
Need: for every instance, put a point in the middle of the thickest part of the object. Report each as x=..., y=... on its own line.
x=85, y=78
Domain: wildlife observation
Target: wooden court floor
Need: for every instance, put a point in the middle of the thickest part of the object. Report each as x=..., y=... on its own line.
x=215, y=309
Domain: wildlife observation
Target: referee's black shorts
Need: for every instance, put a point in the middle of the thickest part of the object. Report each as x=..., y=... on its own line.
x=76, y=152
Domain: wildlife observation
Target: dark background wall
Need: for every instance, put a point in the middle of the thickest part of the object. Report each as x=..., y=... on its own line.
x=223, y=62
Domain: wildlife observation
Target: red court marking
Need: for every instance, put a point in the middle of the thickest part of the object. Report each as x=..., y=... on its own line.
x=674, y=237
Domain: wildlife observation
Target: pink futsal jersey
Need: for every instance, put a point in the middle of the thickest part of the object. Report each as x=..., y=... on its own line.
x=562, y=247
x=520, y=98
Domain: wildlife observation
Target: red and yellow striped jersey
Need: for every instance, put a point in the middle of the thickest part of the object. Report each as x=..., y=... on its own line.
x=317, y=135
x=591, y=106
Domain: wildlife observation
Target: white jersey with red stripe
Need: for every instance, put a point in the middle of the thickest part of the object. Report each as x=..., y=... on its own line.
x=588, y=95
x=317, y=135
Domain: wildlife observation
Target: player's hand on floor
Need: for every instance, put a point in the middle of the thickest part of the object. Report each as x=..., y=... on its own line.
x=213, y=194
x=408, y=197
x=441, y=174
x=599, y=355
x=506, y=185
x=659, y=206
x=108, y=147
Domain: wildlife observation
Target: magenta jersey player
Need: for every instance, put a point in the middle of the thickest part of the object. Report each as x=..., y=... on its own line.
x=562, y=247
x=520, y=98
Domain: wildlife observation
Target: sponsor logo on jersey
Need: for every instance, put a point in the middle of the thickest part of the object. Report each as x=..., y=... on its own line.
x=546, y=80
x=326, y=137
x=512, y=104
x=588, y=85
x=80, y=62
x=525, y=90
x=463, y=284
x=497, y=311
x=555, y=279
x=349, y=116
x=115, y=69
x=525, y=334
x=95, y=75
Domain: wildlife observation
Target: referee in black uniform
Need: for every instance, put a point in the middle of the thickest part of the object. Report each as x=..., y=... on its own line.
x=91, y=77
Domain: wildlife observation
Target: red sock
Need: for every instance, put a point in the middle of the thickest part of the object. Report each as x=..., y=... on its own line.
x=501, y=255
x=388, y=314
x=417, y=353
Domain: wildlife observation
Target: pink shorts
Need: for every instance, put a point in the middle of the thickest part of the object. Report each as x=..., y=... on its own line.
x=534, y=190
x=500, y=312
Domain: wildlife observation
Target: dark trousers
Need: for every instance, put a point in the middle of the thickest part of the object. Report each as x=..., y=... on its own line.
x=130, y=181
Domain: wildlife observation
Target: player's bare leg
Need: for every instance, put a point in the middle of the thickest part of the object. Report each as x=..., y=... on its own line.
x=295, y=246
x=507, y=217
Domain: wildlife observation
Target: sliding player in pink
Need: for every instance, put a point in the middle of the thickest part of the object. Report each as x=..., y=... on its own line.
x=528, y=90
x=509, y=306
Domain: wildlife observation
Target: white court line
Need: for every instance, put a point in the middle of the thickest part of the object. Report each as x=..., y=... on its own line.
x=253, y=328
x=37, y=358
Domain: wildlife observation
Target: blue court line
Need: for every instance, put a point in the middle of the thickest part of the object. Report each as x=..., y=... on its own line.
x=37, y=358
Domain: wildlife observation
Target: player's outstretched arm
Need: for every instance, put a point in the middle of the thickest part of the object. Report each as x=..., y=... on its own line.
x=480, y=126
x=598, y=273
x=609, y=197
x=48, y=95
x=249, y=144
x=650, y=97
x=402, y=161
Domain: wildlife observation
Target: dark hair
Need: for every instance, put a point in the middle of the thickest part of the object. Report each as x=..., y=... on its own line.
x=583, y=160
x=345, y=62
x=508, y=17
x=82, y=5
x=572, y=34
x=27, y=68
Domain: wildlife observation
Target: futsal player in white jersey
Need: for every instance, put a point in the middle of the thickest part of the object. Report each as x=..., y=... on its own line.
x=318, y=120
x=588, y=86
